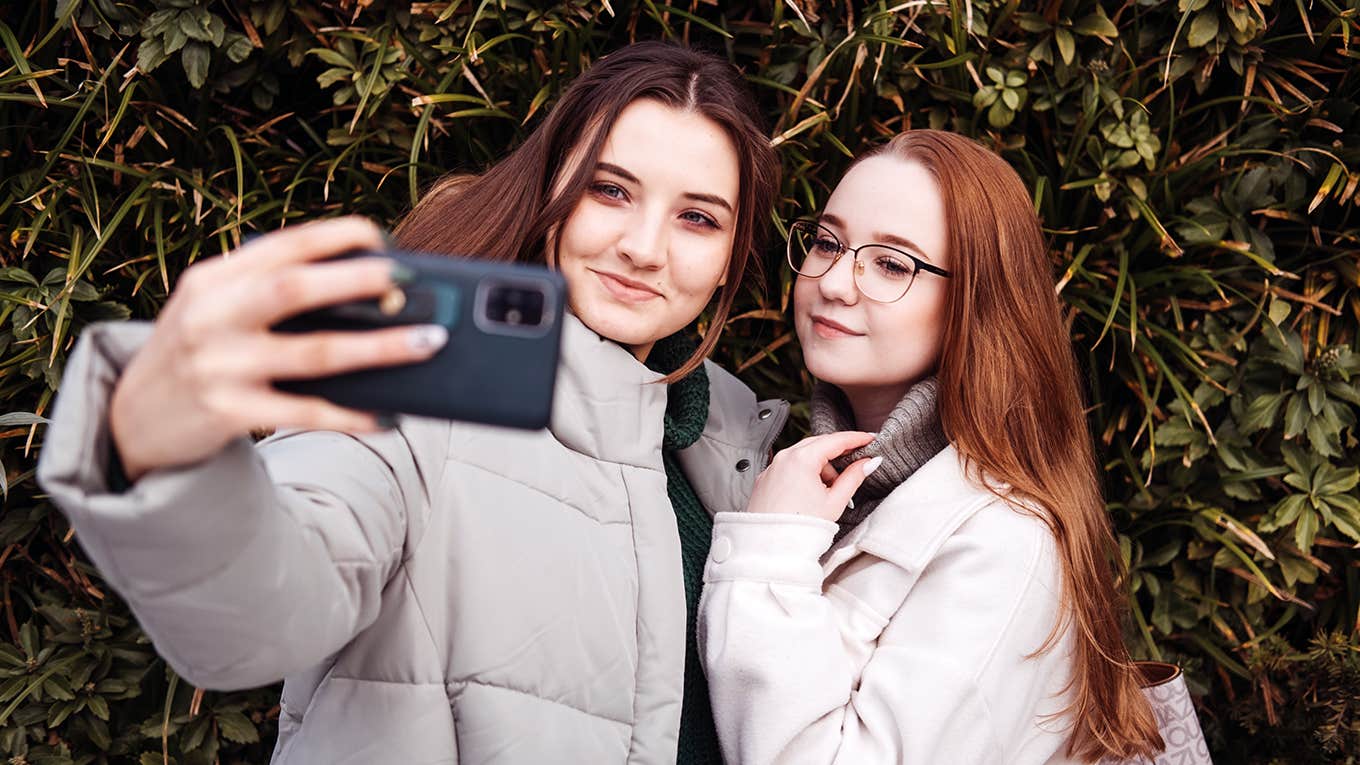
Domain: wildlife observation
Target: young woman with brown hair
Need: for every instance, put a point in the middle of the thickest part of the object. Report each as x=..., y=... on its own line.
x=927, y=578
x=438, y=592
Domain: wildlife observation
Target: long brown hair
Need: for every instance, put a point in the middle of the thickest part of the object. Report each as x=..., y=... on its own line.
x=508, y=212
x=1011, y=404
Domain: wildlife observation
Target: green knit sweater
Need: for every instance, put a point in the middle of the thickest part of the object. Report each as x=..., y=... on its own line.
x=686, y=413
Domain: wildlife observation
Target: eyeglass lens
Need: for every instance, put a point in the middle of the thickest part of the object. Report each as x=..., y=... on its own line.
x=880, y=272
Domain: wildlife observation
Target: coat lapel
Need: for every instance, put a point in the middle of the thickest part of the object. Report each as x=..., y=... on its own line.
x=912, y=523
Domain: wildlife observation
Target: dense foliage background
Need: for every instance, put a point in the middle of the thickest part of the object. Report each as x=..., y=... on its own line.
x=1195, y=162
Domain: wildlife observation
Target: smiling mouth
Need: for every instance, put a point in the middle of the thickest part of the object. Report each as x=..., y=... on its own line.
x=625, y=290
x=829, y=329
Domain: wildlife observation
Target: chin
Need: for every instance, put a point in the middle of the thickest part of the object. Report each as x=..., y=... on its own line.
x=621, y=326
x=824, y=367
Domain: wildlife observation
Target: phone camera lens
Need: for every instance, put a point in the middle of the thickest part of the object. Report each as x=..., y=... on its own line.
x=515, y=306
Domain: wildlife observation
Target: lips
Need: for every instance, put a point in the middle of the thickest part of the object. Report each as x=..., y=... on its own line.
x=830, y=329
x=625, y=289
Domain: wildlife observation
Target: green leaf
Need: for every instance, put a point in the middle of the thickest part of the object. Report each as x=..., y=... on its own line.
x=16, y=419
x=1032, y=22
x=174, y=39
x=236, y=727
x=999, y=115
x=1279, y=311
x=333, y=58
x=1203, y=29
x=1306, y=530
x=1096, y=24
x=1285, y=512
x=1339, y=481
x=1295, y=416
x=238, y=47
x=195, y=59
x=1261, y=412
x=150, y=54
x=98, y=706
x=1067, y=44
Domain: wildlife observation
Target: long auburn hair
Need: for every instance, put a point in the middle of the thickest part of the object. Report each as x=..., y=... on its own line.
x=508, y=212
x=1011, y=403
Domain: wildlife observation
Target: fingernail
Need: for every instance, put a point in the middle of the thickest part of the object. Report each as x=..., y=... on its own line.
x=850, y=505
x=389, y=241
x=872, y=465
x=402, y=274
x=385, y=420
x=428, y=337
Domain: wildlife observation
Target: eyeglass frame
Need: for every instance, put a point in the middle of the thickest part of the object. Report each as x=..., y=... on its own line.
x=918, y=263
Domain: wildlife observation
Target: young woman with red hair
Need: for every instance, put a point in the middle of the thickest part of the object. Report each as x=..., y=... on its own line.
x=927, y=578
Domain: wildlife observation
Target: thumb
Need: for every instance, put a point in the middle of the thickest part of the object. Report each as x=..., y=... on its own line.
x=850, y=480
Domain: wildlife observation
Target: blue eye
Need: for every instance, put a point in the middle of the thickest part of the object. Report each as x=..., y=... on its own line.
x=608, y=190
x=892, y=267
x=824, y=246
x=699, y=218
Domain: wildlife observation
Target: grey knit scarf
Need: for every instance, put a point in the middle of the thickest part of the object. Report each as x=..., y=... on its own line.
x=910, y=436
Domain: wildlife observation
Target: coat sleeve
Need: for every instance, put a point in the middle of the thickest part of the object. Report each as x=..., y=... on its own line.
x=799, y=673
x=247, y=566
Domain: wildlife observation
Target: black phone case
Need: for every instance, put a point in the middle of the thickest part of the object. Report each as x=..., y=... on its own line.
x=487, y=373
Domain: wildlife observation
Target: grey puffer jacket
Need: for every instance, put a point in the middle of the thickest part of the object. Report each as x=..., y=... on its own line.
x=439, y=593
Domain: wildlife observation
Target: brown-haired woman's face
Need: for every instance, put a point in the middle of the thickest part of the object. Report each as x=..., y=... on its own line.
x=855, y=343
x=649, y=242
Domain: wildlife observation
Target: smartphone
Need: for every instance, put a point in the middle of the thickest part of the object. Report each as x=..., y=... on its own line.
x=499, y=365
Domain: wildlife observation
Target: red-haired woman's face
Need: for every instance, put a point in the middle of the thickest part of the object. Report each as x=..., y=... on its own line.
x=850, y=341
x=650, y=240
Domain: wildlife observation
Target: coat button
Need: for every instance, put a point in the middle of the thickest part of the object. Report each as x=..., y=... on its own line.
x=764, y=414
x=721, y=550
x=743, y=465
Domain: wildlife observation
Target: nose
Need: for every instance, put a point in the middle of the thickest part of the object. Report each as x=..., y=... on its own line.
x=838, y=284
x=645, y=239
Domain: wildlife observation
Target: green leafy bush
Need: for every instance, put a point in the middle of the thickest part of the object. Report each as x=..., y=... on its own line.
x=1196, y=164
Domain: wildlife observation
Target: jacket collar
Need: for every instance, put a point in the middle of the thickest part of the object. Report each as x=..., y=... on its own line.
x=912, y=523
x=607, y=404
x=735, y=446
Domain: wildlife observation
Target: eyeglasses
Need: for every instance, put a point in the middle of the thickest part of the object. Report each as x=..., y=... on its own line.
x=881, y=273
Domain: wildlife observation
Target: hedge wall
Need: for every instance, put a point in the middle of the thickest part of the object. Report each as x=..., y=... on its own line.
x=1196, y=164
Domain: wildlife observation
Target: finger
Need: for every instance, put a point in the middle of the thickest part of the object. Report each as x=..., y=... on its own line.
x=829, y=474
x=313, y=241
x=272, y=409
x=284, y=292
x=827, y=447
x=850, y=480
x=321, y=354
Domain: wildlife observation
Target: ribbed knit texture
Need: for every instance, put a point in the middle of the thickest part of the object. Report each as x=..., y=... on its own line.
x=686, y=414
x=910, y=436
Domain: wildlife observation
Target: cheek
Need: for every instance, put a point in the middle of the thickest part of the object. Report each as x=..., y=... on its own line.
x=700, y=270
x=584, y=234
x=920, y=323
x=804, y=295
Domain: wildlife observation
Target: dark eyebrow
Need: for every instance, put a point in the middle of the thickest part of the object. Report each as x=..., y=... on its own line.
x=616, y=170
x=880, y=237
x=712, y=199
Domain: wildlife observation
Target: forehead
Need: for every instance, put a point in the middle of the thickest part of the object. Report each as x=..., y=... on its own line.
x=673, y=147
x=888, y=195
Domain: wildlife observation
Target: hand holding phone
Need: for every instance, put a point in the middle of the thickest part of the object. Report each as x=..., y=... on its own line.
x=499, y=364
x=205, y=376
